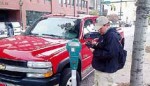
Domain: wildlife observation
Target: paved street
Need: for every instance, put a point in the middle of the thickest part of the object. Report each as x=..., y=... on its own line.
x=123, y=75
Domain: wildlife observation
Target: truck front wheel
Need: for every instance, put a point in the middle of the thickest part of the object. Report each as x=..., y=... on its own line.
x=65, y=79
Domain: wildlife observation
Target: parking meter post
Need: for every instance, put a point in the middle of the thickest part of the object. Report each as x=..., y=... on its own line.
x=73, y=77
x=74, y=47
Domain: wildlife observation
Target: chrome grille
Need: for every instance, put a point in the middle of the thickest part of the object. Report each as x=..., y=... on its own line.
x=12, y=74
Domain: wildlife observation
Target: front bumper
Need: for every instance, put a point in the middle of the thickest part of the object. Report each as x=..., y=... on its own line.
x=32, y=81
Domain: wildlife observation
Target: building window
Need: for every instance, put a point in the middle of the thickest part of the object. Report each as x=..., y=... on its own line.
x=47, y=0
x=69, y=2
x=59, y=1
x=72, y=2
x=86, y=5
x=77, y=2
x=32, y=16
x=64, y=1
x=80, y=3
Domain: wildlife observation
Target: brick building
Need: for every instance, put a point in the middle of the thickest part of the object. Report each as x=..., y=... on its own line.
x=27, y=11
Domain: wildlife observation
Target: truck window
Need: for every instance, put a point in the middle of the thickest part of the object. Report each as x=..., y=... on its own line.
x=67, y=28
x=88, y=26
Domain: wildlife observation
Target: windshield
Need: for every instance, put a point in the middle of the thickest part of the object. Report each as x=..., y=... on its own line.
x=67, y=28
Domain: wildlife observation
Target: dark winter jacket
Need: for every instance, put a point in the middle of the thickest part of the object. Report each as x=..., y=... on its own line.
x=106, y=52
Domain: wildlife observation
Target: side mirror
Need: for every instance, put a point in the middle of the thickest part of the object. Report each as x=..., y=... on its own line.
x=92, y=35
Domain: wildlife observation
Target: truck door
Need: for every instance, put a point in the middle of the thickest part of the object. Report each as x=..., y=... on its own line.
x=86, y=52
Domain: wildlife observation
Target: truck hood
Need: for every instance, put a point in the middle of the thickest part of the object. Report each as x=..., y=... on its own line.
x=30, y=47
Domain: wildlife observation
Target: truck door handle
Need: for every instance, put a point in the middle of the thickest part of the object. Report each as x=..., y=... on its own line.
x=85, y=56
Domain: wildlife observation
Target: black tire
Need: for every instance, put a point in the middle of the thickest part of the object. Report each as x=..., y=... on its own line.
x=65, y=79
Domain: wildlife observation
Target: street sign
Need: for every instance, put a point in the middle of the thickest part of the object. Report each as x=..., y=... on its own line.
x=106, y=2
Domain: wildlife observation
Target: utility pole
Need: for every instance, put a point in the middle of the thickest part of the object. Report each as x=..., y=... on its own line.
x=120, y=13
x=74, y=7
x=101, y=7
x=120, y=9
x=21, y=20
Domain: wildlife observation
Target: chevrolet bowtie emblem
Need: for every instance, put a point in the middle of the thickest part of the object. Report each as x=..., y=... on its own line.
x=2, y=66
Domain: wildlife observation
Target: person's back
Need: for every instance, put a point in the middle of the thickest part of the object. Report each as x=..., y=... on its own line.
x=105, y=58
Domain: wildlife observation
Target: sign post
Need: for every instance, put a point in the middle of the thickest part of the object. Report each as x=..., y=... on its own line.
x=74, y=47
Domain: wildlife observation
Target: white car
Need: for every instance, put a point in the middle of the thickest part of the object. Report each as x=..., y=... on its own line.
x=2, y=28
x=17, y=28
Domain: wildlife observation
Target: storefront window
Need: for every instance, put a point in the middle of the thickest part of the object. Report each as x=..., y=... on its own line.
x=33, y=15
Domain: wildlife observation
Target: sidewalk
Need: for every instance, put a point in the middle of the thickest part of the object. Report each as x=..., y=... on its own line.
x=123, y=75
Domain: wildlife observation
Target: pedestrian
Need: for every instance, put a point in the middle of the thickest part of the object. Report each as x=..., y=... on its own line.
x=105, y=52
x=10, y=30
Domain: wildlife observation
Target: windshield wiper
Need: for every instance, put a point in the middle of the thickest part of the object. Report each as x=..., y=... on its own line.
x=52, y=35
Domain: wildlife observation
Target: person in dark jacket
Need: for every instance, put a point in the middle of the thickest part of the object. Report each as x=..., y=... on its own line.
x=105, y=52
x=10, y=30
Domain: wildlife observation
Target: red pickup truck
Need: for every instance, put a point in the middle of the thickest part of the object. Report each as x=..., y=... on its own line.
x=39, y=56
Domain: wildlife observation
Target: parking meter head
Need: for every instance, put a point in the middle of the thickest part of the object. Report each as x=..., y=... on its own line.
x=74, y=47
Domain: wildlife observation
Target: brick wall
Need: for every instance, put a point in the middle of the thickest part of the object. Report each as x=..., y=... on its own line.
x=34, y=5
x=9, y=4
x=43, y=6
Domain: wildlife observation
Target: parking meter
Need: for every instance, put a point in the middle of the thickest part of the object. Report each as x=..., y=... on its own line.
x=74, y=47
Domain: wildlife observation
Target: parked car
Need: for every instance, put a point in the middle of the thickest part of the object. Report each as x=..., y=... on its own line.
x=17, y=28
x=2, y=28
x=39, y=56
x=128, y=25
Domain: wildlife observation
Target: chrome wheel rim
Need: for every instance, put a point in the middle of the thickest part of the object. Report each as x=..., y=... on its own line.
x=69, y=82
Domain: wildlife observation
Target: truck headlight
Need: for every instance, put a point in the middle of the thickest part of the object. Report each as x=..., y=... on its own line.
x=45, y=69
x=32, y=64
x=39, y=75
